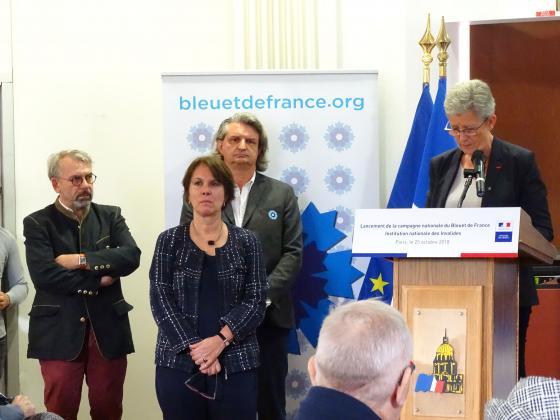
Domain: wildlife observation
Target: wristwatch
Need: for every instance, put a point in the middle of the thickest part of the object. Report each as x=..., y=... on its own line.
x=82, y=260
x=223, y=337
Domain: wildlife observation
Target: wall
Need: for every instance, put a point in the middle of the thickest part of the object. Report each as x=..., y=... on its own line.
x=87, y=75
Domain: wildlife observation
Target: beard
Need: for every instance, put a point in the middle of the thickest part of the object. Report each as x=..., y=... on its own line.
x=82, y=201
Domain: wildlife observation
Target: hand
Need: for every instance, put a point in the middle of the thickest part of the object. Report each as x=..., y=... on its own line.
x=106, y=281
x=205, y=352
x=68, y=261
x=4, y=300
x=213, y=369
x=25, y=404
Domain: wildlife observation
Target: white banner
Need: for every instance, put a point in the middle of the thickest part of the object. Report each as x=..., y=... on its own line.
x=322, y=130
x=447, y=232
x=323, y=141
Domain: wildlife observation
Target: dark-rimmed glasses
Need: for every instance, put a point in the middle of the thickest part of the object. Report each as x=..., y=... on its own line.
x=412, y=367
x=468, y=132
x=78, y=180
x=190, y=385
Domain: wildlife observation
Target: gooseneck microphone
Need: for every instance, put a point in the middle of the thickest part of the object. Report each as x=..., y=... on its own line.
x=478, y=162
x=469, y=174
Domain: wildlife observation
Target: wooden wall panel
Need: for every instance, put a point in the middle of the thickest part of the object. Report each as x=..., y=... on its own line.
x=521, y=63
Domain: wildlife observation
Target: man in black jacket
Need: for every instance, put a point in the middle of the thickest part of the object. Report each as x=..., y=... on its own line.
x=76, y=253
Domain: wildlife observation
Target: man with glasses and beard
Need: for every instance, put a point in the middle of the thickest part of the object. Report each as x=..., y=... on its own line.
x=77, y=251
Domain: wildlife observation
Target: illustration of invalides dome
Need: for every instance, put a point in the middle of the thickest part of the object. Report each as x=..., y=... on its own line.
x=445, y=368
x=444, y=351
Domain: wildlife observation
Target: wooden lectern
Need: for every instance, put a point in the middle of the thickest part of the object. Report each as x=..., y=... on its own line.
x=476, y=301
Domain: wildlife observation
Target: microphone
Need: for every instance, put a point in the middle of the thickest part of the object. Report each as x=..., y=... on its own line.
x=478, y=162
x=469, y=174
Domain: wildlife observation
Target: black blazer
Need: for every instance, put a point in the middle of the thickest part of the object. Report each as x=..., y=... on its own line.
x=65, y=299
x=512, y=180
x=272, y=213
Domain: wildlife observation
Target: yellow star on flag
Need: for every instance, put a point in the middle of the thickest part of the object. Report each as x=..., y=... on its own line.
x=378, y=284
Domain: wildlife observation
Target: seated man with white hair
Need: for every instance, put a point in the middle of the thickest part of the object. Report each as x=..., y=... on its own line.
x=362, y=367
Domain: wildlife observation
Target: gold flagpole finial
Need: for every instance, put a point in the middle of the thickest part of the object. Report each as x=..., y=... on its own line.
x=427, y=44
x=443, y=42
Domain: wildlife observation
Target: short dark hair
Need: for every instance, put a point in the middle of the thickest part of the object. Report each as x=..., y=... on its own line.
x=219, y=170
x=252, y=121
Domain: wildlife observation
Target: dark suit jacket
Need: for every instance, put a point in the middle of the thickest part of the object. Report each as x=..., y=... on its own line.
x=329, y=404
x=65, y=299
x=273, y=215
x=512, y=180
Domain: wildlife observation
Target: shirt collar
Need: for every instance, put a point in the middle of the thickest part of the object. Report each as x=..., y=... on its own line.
x=248, y=183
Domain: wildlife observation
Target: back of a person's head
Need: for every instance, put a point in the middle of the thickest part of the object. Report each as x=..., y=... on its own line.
x=532, y=398
x=363, y=349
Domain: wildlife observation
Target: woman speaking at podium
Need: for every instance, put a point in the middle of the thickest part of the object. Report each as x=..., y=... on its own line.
x=506, y=176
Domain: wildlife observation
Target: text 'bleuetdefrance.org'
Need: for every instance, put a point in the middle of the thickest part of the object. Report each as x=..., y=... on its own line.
x=247, y=103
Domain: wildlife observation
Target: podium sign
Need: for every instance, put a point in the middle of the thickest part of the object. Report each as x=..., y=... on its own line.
x=462, y=312
x=491, y=232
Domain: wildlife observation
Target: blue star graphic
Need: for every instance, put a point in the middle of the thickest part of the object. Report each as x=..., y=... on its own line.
x=322, y=274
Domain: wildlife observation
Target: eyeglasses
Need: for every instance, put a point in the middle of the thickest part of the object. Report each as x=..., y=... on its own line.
x=468, y=132
x=78, y=180
x=189, y=383
x=412, y=367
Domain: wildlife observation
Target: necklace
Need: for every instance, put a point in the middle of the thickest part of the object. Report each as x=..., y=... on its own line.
x=211, y=242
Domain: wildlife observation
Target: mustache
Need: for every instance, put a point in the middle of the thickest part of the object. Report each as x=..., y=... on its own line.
x=84, y=196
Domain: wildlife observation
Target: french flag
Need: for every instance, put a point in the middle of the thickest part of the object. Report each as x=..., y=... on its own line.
x=427, y=383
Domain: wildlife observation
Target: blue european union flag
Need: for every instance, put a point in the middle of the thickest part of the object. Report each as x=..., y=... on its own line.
x=437, y=141
x=378, y=281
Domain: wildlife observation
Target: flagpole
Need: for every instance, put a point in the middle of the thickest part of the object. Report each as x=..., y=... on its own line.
x=437, y=139
x=427, y=44
x=443, y=42
x=378, y=280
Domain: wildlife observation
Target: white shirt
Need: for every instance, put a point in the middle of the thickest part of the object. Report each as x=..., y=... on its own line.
x=471, y=199
x=239, y=202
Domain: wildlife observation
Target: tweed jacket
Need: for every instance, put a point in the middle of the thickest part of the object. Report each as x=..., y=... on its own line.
x=174, y=292
x=272, y=213
x=66, y=299
x=512, y=180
